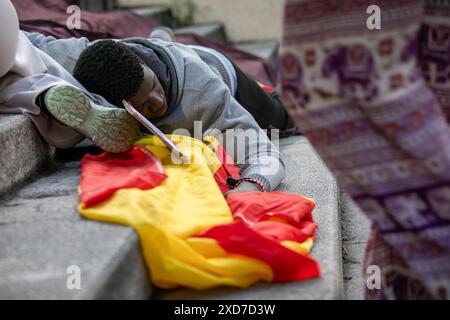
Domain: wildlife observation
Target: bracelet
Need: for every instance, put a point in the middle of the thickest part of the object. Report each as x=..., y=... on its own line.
x=263, y=188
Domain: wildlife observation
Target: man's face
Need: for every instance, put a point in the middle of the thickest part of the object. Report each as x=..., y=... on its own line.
x=150, y=98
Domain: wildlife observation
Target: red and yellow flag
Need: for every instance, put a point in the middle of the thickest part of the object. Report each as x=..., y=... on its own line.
x=190, y=235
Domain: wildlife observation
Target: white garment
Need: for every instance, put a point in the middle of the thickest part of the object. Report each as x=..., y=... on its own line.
x=9, y=35
x=26, y=64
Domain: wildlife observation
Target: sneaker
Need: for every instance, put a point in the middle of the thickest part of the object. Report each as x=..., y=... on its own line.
x=112, y=129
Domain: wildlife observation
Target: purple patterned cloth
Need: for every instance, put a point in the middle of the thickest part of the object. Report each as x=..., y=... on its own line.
x=373, y=104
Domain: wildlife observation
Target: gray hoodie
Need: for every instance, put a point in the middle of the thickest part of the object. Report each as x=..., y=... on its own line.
x=203, y=99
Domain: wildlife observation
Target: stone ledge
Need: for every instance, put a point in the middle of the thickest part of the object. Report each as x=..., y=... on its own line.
x=43, y=234
x=35, y=258
x=22, y=151
x=355, y=232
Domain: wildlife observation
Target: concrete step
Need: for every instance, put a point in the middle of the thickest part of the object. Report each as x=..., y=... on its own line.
x=160, y=14
x=42, y=235
x=213, y=31
x=307, y=175
x=22, y=151
x=267, y=50
x=355, y=233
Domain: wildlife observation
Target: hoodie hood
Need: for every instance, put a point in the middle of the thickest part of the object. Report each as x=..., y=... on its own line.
x=162, y=63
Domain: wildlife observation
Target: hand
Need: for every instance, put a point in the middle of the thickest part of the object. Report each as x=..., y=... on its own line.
x=244, y=187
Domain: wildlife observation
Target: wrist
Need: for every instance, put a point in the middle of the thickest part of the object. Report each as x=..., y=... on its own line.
x=250, y=183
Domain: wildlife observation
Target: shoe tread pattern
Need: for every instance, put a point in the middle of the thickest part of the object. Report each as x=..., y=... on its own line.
x=112, y=129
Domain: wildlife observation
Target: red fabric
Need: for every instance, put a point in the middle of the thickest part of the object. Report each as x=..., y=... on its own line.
x=136, y=168
x=254, y=235
x=259, y=206
x=228, y=169
x=287, y=265
x=278, y=231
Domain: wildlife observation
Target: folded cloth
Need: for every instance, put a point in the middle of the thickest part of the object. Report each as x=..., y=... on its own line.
x=253, y=207
x=189, y=236
x=286, y=264
x=136, y=168
x=267, y=223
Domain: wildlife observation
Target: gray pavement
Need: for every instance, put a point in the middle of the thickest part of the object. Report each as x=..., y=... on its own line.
x=355, y=233
x=42, y=234
x=22, y=151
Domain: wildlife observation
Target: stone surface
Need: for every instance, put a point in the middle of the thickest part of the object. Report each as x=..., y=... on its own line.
x=353, y=282
x=161, y=15
x=355, y=233
x=19, y=210
x=307, y=175
x=61, y=183
x=42, y=234
x=267, y=50
x=35, y=257
x=213, y=31
x=22, y=150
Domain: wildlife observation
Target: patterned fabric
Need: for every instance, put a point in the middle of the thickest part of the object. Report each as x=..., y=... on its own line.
x=371, y=103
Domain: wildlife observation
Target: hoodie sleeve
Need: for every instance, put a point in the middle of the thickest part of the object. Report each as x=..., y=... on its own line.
x=63, y=51
x=223, y=117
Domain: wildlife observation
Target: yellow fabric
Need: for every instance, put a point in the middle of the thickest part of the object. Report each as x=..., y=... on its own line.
x=303, y=248
x=167, y=217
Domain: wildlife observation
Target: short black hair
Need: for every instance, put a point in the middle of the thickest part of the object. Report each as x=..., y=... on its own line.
x=110, y=69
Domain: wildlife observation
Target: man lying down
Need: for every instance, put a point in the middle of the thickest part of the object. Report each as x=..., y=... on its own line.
x=175, y=86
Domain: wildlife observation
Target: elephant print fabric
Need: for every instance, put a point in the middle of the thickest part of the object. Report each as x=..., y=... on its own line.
x=353, y=65
x=375, y=113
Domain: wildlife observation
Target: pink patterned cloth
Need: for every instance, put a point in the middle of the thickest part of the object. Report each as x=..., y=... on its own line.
x=372, y=104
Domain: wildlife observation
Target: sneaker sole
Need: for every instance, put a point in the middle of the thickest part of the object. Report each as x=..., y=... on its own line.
x=112, y=129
